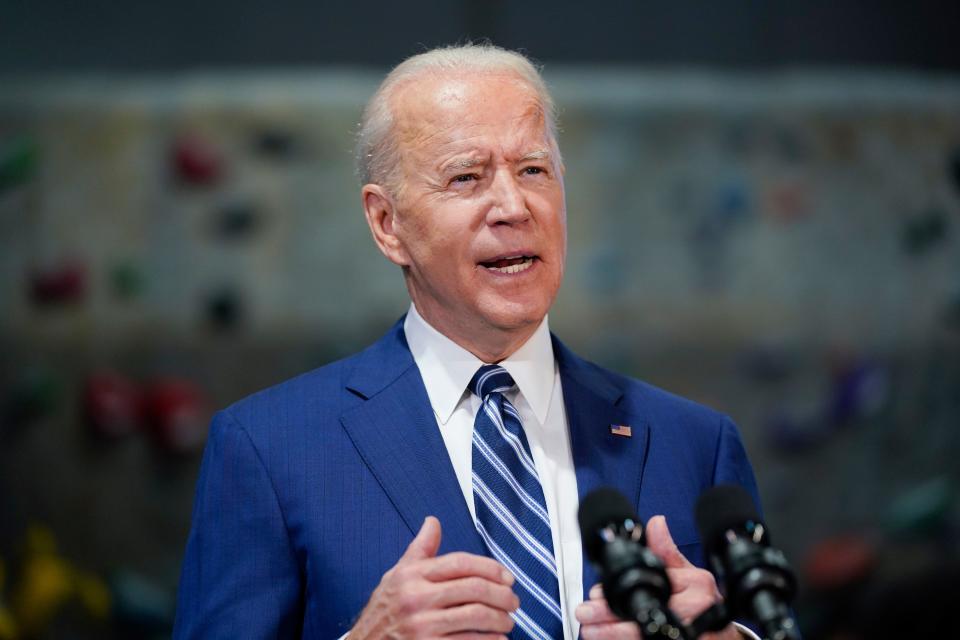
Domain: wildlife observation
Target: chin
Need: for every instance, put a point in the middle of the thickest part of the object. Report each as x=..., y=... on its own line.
x=511, y=316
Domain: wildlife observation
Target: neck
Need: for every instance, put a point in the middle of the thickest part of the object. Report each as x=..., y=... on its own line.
x=487, y=343
x=494, y=351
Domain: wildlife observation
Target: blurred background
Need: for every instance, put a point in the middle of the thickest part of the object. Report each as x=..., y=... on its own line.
x=764, y=213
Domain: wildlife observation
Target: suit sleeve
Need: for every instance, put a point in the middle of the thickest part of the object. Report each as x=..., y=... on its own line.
x=731, y=465
x=240, y=576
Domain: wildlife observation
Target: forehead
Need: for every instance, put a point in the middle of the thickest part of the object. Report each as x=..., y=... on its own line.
x=459, y=109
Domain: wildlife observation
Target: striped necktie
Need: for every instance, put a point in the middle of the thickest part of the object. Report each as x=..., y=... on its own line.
x=510, y=510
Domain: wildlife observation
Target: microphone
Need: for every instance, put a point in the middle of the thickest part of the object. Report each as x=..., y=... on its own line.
x=757, y=582
x=635, y=582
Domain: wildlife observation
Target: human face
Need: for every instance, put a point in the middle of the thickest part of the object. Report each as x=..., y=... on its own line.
x=480, y=219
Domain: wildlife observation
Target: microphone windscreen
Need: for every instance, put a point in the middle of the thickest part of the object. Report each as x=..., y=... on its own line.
x=723, y=507
x=598, y=509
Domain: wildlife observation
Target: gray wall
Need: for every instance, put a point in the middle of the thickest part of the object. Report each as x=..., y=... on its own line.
x=45, y=35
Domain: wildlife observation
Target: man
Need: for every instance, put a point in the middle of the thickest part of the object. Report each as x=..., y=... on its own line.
x=413, y=490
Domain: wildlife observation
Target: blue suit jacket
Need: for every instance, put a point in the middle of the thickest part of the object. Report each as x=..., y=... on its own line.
x=311, y=490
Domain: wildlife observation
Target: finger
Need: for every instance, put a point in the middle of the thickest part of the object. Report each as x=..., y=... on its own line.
x=595, y=612
x=694, y=590
x=467, y=617
x=474, y=589
x=614, y=631
x=462, y=565
x=661, y=543
x=694, y=579
x=426, y=543
x=596, y=592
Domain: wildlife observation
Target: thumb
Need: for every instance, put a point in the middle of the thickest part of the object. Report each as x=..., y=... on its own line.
x=661, y=543
x=427, y=542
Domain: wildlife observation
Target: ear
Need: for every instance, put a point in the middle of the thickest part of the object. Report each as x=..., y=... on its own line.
x=380, y=210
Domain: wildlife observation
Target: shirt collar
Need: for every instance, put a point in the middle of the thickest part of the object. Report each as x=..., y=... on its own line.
x=446, y=367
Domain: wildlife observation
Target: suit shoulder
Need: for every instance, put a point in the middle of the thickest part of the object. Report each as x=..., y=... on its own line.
x=653, y=399
x=668, y=403
x=314, y=392
x=632, y=394
x=313, y=402
x=668, y=414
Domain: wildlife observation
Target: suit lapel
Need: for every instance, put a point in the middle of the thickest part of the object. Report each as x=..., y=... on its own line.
x=396, y=434
x=600, y=457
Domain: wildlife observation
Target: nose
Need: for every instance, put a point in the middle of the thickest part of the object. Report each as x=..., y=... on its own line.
x=508, y=205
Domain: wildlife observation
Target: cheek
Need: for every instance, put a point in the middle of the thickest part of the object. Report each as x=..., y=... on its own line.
x=443, y=255
x=550, y=203
x=558, y=235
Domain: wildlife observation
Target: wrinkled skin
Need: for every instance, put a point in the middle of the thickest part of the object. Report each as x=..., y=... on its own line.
x=481, y=180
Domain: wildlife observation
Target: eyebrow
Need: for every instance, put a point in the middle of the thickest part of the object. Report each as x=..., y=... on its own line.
x=541, y=154
x=471, y=162
x=465, y=163
x=461, y=163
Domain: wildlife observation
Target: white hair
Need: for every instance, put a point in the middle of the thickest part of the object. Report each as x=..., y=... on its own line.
x=377, y=152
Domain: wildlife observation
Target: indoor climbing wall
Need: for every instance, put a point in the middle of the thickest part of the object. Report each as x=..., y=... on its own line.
x=782, y=247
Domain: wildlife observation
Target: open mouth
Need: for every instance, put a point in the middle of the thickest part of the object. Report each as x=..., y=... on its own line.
x=510, y=264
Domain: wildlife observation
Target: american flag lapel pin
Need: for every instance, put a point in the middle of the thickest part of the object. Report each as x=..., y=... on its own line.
x=621, y=430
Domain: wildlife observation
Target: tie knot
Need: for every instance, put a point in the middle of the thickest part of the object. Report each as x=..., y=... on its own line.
x=490, y=378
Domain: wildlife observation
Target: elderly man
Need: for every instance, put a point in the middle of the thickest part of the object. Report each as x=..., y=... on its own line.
x=428, y=486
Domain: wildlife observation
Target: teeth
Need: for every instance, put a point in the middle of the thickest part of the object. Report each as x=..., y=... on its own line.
x=514, y=268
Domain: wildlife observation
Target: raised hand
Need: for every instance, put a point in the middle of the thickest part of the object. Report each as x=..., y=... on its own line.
x=694, y=590
x=430, y=596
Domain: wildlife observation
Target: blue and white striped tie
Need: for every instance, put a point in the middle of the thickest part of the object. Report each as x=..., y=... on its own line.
x=511, y=512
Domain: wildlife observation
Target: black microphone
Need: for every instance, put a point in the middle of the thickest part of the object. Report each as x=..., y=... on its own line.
x=635, y=582
x=757, y=582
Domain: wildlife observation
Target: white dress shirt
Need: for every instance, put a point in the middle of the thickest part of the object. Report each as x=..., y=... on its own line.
x=446, y=369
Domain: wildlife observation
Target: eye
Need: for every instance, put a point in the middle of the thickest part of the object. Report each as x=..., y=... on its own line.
x=465, y=177
x=532, y=171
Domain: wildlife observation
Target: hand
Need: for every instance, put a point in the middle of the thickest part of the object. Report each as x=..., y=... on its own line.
x=694, y=590
x=597, y=622
x=430, y=596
